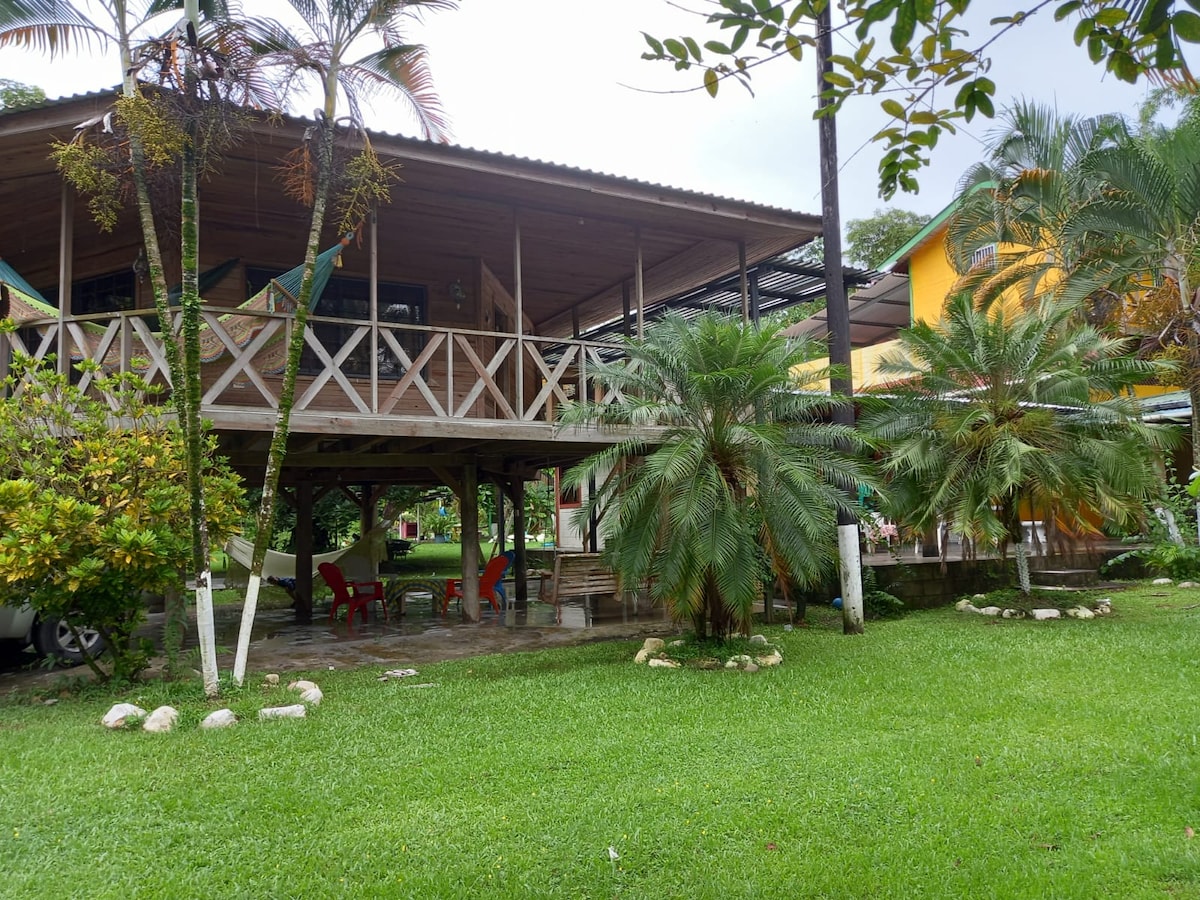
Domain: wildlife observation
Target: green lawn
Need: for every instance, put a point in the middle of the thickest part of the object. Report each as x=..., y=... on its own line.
x=940, y=755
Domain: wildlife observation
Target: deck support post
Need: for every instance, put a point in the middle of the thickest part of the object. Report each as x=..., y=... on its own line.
x=66, y=254
x=521, y=594
x=639, y=284
x=744, y=282
x=304, y=552
x=468, y=504
x=518, y=299
x=374, y=303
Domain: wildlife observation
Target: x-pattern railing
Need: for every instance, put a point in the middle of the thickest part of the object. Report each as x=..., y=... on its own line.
x=449, y=377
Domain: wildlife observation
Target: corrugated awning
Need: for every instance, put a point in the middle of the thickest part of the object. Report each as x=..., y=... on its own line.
x=877, y=312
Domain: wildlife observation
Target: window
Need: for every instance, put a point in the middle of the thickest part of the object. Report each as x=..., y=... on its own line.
x=105, y=293
x=350, y=298
x=984, y=257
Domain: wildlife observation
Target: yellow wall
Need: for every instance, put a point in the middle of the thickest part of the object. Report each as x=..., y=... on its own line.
x=930, y=277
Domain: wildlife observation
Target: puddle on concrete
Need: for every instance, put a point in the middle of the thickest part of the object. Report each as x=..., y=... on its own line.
x=279, y=625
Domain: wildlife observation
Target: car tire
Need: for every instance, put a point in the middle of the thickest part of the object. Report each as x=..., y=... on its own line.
x=52, y=637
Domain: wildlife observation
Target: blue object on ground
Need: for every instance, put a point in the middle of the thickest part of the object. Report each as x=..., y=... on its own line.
x=837, y=602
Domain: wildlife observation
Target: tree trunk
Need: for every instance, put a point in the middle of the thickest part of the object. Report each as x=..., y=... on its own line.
x=287, y=393
x=189, y=304
x=175, y=608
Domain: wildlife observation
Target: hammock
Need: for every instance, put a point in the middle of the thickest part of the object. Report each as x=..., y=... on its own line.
x=26, y=305
x=358, y=561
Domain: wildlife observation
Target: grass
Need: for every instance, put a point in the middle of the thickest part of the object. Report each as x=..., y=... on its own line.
x=940, y=755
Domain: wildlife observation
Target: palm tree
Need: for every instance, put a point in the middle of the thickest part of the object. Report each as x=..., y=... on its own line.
x=744, y=471
x=56, y=27
x=1144, y=228
x=1012, y=206
x=327, y=51
x=994, y=411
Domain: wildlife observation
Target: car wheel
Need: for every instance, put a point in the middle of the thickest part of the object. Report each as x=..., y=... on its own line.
x=52, y=637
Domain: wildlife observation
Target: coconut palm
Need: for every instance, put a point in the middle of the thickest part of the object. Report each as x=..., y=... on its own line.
x=329, y=48
x=990, y=412
x=745, y=470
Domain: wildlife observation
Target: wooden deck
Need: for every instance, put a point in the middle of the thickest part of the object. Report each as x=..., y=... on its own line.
x=460, y=383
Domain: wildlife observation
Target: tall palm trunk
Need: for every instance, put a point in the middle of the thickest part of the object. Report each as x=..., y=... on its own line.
x=266, y=511
x=189, y=304
x=175, y=607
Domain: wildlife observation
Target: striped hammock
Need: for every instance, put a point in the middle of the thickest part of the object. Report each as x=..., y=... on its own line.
x=24, y=305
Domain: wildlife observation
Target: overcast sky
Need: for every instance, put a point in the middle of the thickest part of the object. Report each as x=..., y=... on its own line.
x=562, y=81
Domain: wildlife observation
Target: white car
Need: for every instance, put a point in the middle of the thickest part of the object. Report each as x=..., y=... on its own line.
x=22, y=626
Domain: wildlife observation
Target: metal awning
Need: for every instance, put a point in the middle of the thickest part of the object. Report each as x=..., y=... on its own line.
x=773, y=285
x=877, y=312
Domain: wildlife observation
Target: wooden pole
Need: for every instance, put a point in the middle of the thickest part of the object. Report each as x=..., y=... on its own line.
x=838, y=312
x=639, y=286
x=304, y=552
x=519, y=405
x=468, y=503
x=66, y=253
x=374, y=303
x=518, y=501
x=744, y=281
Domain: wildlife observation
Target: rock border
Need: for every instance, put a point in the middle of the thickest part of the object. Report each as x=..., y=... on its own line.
x=164, y=718
x=1103, y=607
x=654, y=654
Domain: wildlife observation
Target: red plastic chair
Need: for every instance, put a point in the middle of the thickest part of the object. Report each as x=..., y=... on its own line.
x=491, y=576
x=354, y=594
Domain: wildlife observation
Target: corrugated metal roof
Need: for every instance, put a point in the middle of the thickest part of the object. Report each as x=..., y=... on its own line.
x=489, y=155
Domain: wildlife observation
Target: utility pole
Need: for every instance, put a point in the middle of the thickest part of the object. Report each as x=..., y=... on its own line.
x=838, y=313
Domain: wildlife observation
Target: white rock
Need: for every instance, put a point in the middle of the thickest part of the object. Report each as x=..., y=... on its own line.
x=963, y=604
x=1013, y=614
x=738, y=662
x=979, y=596
x=115, y=717
x=272, y=679
x=1043, y=614
x=677, y=643
x=750, y=667
x=663, y=664
x=758, y=639
x=654, y=644
x=787, y=627
x=1081, y=612
x=222, y=718
x=298, y=711
x=1188, y=584
x=1161, y=581
x=772, y=659
x=162, y=719
x=1104, y=607
x=301, y=686
x=642, y=656
x=990, y=611
x=312, y=696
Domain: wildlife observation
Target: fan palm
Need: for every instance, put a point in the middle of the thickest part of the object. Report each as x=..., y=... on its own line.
x=745, y=474
x=994, y=410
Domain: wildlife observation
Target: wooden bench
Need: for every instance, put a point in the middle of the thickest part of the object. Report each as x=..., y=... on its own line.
x=577, y=575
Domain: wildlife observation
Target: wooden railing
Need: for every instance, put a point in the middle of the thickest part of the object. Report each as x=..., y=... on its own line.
x=445, y=373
